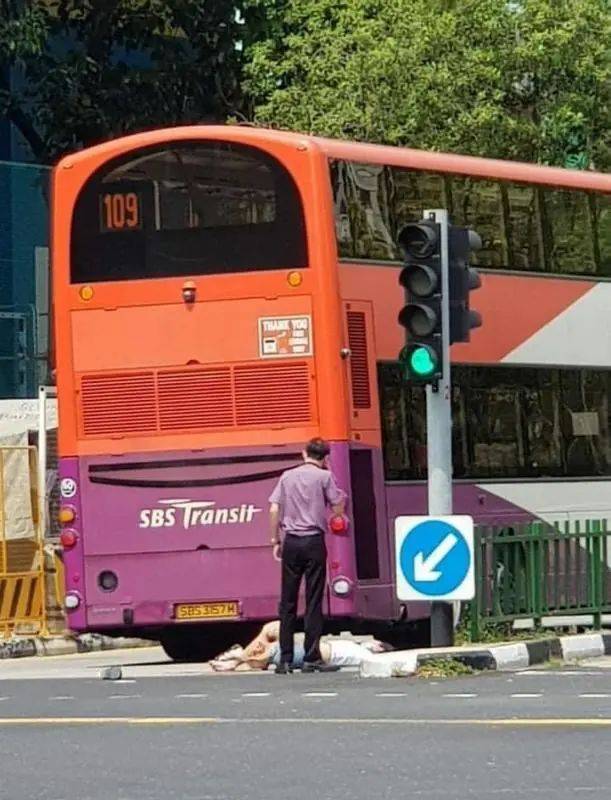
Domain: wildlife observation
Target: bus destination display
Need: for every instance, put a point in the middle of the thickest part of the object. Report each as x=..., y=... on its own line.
x=120, y=211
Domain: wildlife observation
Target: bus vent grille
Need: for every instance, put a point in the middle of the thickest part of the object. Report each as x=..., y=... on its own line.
x=119, y=403
x=272, y=394
x=196, y=398
x=359, y=360
x=192, y=399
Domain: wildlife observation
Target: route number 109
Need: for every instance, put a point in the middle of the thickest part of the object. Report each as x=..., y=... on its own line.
x=120, y=211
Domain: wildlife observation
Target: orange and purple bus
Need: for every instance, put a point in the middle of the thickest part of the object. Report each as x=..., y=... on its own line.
x=222, y=294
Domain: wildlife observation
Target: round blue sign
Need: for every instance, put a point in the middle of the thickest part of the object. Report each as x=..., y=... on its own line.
x=435, y=558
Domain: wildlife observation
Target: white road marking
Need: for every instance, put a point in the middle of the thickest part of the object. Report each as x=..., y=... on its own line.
x=594, y=696
x=62, y=697
x=123, y=696
x=125, y=680
x=567, y=673
x=460, y=696
x=255, y=694
x=190, y=696
x=3, y=698
x=527, y=695
x=319, y=694
x=391, y=694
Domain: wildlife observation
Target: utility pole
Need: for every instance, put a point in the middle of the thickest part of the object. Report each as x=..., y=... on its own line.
x=439, y=432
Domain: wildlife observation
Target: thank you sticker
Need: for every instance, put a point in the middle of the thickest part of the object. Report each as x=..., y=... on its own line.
x=285, y=336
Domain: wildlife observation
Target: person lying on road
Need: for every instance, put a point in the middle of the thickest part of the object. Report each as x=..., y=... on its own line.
x=264, y=651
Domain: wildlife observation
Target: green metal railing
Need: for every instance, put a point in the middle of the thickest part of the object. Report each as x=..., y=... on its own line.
x=535, y=570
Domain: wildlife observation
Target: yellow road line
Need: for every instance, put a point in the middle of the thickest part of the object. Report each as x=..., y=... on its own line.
x=502, y=722
x=32, y=721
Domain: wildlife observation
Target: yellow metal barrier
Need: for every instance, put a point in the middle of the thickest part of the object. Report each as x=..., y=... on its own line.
x=23, y=601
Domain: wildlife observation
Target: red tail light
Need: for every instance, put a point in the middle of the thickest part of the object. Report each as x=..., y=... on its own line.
x=68, y=539
x=338, y=524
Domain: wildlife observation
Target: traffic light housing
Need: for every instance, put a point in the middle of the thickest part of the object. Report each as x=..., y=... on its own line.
x=462, y=280
x=421, y=277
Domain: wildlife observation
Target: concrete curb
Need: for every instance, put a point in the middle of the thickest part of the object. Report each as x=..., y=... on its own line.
x=504, y=656
x=66, y=645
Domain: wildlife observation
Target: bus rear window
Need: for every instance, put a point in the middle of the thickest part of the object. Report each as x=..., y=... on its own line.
x=189, y=208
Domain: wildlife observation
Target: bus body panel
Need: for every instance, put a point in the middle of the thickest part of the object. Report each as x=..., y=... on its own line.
x=186, y=527
x=173, y=334
x=512, y=502
x=156, y=297
x=506, y=326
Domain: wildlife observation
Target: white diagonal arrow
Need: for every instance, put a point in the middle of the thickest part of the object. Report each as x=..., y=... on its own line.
x=424, y=568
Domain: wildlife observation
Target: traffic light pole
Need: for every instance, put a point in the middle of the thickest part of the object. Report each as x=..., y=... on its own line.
x=439, y=435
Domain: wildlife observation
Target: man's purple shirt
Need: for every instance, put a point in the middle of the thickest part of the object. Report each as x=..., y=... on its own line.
x=304, y=495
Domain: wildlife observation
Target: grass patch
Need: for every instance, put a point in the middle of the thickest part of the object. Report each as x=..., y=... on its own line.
x=444, y=668
x=500, y=633
x=504, y=632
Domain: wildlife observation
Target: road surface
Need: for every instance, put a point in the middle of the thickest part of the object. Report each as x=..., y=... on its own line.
x=173, y=731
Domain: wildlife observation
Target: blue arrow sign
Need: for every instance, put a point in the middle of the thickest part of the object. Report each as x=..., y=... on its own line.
x=434, y=558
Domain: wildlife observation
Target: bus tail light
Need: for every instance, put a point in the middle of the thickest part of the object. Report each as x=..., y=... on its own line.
x=68, y=539
x=338, y=524
x=66, y=514
x=72, y=601
x=341, y=587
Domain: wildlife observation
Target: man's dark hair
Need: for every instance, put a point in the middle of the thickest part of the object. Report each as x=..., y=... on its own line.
x=317, y=449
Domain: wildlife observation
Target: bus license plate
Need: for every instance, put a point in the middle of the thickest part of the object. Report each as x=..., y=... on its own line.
x=186, y=611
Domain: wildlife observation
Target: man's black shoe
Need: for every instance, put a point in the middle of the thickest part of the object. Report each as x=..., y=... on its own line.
x=318, y=666
x=284, y=668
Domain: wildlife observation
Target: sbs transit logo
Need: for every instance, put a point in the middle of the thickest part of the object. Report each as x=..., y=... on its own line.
x=191, y=513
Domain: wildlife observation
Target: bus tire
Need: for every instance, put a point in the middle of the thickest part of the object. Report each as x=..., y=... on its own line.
x=203, y=642
x=408, y=635
x=184, y=646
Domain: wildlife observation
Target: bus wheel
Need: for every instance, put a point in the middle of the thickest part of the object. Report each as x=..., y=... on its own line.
x=203, y=642
x=408, y=635
x=185, y=646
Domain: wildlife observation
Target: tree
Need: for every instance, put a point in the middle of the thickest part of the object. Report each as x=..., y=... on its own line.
x=88, y=70
x=526, y=79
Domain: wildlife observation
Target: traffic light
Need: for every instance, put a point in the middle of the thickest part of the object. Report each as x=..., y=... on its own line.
x=462, y=280
x=421, y=277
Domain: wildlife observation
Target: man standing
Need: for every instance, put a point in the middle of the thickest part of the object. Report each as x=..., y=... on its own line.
x=298, y=509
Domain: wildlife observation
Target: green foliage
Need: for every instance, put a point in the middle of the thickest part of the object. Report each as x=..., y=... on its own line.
x=525, y=80
x=92, y=69
x=444, y=668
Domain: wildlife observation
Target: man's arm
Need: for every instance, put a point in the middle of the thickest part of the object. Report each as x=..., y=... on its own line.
x=336, y=498
x=274, y=523
x=339, y=508
x=275, y=500
x=274, y=526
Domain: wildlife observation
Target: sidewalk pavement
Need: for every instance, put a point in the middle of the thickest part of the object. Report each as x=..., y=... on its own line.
x=23, y=647
x=502, y=656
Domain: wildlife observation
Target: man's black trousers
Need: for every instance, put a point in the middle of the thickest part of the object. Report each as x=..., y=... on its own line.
x=302, y=556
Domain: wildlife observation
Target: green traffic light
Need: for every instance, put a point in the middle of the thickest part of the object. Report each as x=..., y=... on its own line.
x=422, y=362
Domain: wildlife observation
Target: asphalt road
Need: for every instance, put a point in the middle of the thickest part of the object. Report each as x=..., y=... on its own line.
x=167, y=734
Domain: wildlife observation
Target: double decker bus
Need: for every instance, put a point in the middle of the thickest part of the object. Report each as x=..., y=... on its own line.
x=223, y=294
